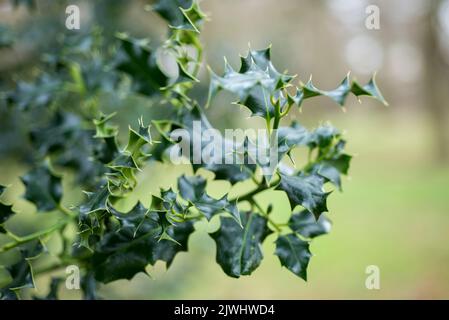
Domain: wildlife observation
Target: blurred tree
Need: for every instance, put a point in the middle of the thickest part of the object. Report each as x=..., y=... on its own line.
x=437, y=82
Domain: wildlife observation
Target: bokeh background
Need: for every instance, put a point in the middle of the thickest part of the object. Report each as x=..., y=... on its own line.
x=394, y=211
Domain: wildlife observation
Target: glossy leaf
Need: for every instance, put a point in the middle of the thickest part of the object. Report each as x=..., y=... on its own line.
x=255, y=84
x=43, y=188
x=306, y=191
x=306, y=225
x=142, y=63
x=193, y=189
x=294, y=254
x=239, y=250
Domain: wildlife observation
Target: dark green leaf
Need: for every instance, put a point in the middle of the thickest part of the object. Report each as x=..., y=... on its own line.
x=170, y=10
x=5, y=212
x=239, y=250
x=193, y=189
x=294, y=254
x=340, y=93
x=121, y=254
x=89, y=287
x=331, y=169
x=293, y=136
x=370, y=89
x=306, y=191
x=306, y=225
x=166, y=250
x=43, y=188
x=256, y=83
x=39, y=94
x=21, y=272
x=140, y=62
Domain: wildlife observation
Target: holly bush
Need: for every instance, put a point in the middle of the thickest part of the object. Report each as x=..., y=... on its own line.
x=68, y=133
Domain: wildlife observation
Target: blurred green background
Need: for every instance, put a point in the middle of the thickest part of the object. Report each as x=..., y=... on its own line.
x=394, y=211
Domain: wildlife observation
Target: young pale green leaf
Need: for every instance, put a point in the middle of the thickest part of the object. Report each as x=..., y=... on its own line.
x=103, y=129
x=193, y=18
x=306, y=225
x=306, y=191
x=294, y=254
x=166, y=250
x=239, y=250
x=43, y=188
x=69, y=144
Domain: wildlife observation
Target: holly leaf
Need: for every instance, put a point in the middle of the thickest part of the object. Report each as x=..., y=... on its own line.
x=21, y=272
x=257, y=84
x=43, y=188
x=332, y=169
x=339, y=94
x=166, y=250
x=290, y=137
x=322, y=137
x=195, y=122
x=306, y=225
x=306, y=191
x=122, y=254
x=96, y=201
x=239, y=250
x=193, y=189
x=294, y=254
x=6, y=211
x=370, y=89
x=135, y=218
x=170, y=10
x=141, y=63
x=38, y=94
